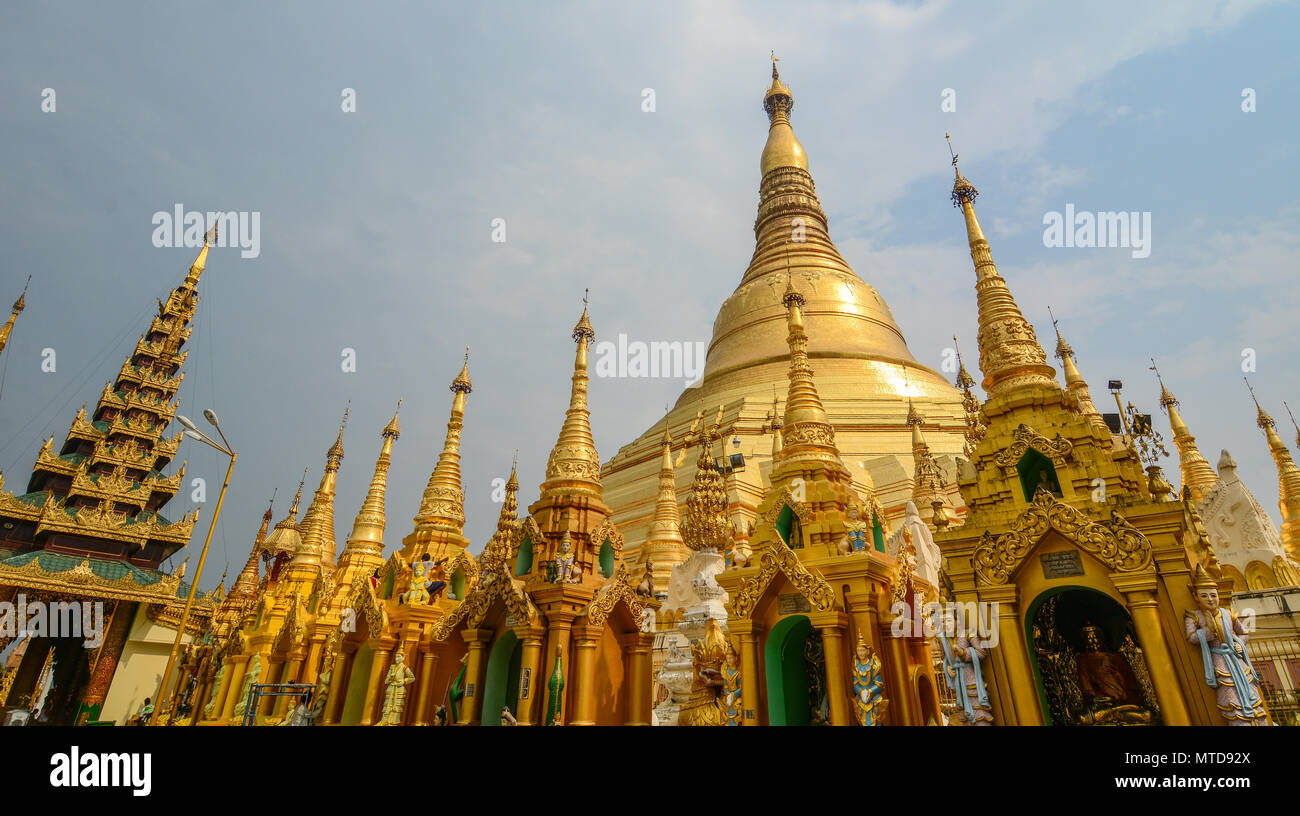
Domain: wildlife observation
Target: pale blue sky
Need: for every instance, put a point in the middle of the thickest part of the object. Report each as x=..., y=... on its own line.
x=376, y=225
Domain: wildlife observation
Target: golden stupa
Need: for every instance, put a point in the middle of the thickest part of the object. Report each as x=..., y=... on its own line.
x=862, y=365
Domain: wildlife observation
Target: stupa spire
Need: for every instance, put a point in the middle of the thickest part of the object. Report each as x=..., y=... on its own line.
x=1288, y=480
x=805, y=432
x=1010, y=354
x=1198, y=476
x=367, y=538
x=1075, y=385
x=317, y=526
x=574, y=463
x=666, y=526
x=201, y=262
x=443, y=503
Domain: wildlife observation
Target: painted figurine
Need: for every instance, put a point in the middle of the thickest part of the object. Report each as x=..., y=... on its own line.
x=506, y=717
x=963, y=674
x=731, y=687
x=418, y=593
x=857, y=535
x=868, y=685
x=564, y=560
x=395, y=682
x=1222, y=639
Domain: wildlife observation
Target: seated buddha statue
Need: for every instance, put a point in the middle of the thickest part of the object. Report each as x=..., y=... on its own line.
x=1111, y=694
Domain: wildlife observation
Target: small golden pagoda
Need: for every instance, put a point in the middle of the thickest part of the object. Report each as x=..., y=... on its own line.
x=813, y=589
x=1072, y=562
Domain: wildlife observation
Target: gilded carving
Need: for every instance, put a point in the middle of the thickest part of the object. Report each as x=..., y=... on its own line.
x=1025, y=437
x=1117, y=544
x=779, y=557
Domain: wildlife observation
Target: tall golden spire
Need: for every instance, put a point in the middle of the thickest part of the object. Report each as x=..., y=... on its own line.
x=1288, y=480
x=1075, y=385
x=666, y=527
x=574, y=465
x=317, y=526
x=19, y=305
x=367, y=537
x=443, y=504
x=805, y=432
x=1010, y=355
x=245, y=587
x=1197, y=476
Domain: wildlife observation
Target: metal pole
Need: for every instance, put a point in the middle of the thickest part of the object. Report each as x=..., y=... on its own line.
x=194, y=589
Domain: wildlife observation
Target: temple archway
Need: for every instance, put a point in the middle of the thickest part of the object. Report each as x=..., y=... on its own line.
x=796, y=674
x=1087, y=665
x=524, y=560
x=501, y=684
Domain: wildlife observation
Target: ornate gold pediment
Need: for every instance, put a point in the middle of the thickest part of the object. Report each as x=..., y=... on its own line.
x=607, y=531
x=1025, y=437
x=779, y=557
x=474, y=609
x=783, y=498
x=1118, y=544
x=611, y=593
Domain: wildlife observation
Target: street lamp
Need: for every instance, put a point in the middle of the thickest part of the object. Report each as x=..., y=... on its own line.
x=192, y=431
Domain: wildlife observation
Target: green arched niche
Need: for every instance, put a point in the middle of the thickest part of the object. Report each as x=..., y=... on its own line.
x=787, y=682
x=501, y=686
x=524, y=560
x=1032, y=467
x=607, y=559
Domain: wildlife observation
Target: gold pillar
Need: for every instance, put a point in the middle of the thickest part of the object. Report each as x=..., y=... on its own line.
x=377, y=669
x=584, y=696
x=836, y=675
x=239, y=667
x=749, y=679
x=902, y=708
x=531, y=690
x=340, y=676
x=637, y=669
x=428, y=665
x=557, y=644
x=222, y=691
x=477, y=640
x=1151, y=637
x=1011, y=640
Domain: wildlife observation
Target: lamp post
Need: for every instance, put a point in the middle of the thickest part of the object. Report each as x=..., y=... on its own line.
x=193, y=432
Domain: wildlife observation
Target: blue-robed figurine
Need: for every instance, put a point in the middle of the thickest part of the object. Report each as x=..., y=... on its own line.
x=1222, y=639
x=963, y=675
x=868, y=686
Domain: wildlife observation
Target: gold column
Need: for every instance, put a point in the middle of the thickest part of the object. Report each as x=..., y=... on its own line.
x=557, y=644
x=222, y=690
x=340, y=677
x=377, y=669
x=749, y=678
x=428, y=666
x=1011, y=640
x=637, y=671
x=902, y=708
x=584, y=698
x=1151, y=637
x=529, y=666
x=836, y=675
x=239, y=666
x=477, y=640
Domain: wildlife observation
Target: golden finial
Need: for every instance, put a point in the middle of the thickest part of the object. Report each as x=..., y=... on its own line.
x=293, y=511
x=1166, y=398
x=21, y=302
x=335, y=453
x=583, y=329
x=1262, y=419
x=962, y=190
x=462, y=382
x=775, y=60
x=393, y=429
